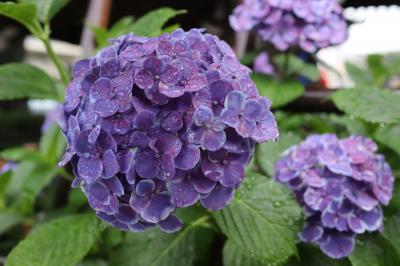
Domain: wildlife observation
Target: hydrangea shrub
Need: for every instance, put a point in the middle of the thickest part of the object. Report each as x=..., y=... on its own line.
x=159, y=123
x=308, y=24
x=342, y=185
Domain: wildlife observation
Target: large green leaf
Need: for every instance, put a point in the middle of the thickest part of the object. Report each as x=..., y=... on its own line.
x=268, y=153
x=279, y=92
x=62, y=242
x=157, y=248
x=373, y=250
x=389, y=136
x=47, y=9
x=373, y=105
x=263, y=220
x=24, y=13
x=25, y=81
x=233, y=255
x=7, y=220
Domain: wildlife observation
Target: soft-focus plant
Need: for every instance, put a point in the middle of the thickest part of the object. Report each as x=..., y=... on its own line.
x=160, y=130
x=296, y=30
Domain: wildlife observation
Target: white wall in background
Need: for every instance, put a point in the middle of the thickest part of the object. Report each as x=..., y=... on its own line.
x=376, y=31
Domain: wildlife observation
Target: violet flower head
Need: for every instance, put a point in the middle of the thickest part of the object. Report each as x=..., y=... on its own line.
x=152, y=125
x=308, y=24
x=342, y=185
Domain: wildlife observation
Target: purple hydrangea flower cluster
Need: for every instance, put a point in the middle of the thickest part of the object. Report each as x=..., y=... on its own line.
x=156, y=124
x=341, y=183
x=308, y=24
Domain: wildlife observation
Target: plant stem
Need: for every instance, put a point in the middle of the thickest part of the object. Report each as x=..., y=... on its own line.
x=56, y=60
x=286, y=65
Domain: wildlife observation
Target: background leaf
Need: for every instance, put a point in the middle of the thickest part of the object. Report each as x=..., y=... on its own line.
x=297, y=66
x=373, y=250
x=269, y=152
x=7, y=220
x=24, y=13
x=279, y=92
x=392, y=232
x=52, y=144
x=390, y=137
x=61, y=242
x=263, y=220
x=47, y=9
x=373, y=105
x=360, y=76
x=151, y=24
x=25, y=81
x=37, y=179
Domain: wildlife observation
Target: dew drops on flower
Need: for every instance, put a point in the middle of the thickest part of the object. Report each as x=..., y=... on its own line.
x=308, y=24
x=155, y=124
x=342, y=185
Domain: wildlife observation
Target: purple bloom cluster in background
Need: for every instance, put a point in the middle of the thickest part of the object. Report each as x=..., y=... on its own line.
x=155, y=124
x=308, y=24
x=262, y=64
x=341, y=183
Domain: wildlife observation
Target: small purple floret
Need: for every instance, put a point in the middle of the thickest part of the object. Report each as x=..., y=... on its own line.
x=342, y=184
x=148, y=130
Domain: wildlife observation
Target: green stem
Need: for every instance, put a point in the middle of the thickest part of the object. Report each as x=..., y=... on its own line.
x=286, y=65
x=56, y=60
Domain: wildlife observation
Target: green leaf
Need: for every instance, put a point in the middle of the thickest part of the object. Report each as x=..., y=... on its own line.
x=392, y=232
x=263, y=220
x=379, y=71
x=121, y=27
x=37, y=179
x=25, y=81
x=61, y=242
x=47, y=9
x=311, y=255
x=21, y=153
x=268, y=153
x=297, y=66
x=233, y=255
x=389, y=136
x=24, y=13
x=5, y=179
x=18, y=178
x=151, y=24
x=360, y=76
x=7, y=220
x=372, y=105
x=52, y=144
x=157, y=248
x=373, y=250
x=279, y=92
